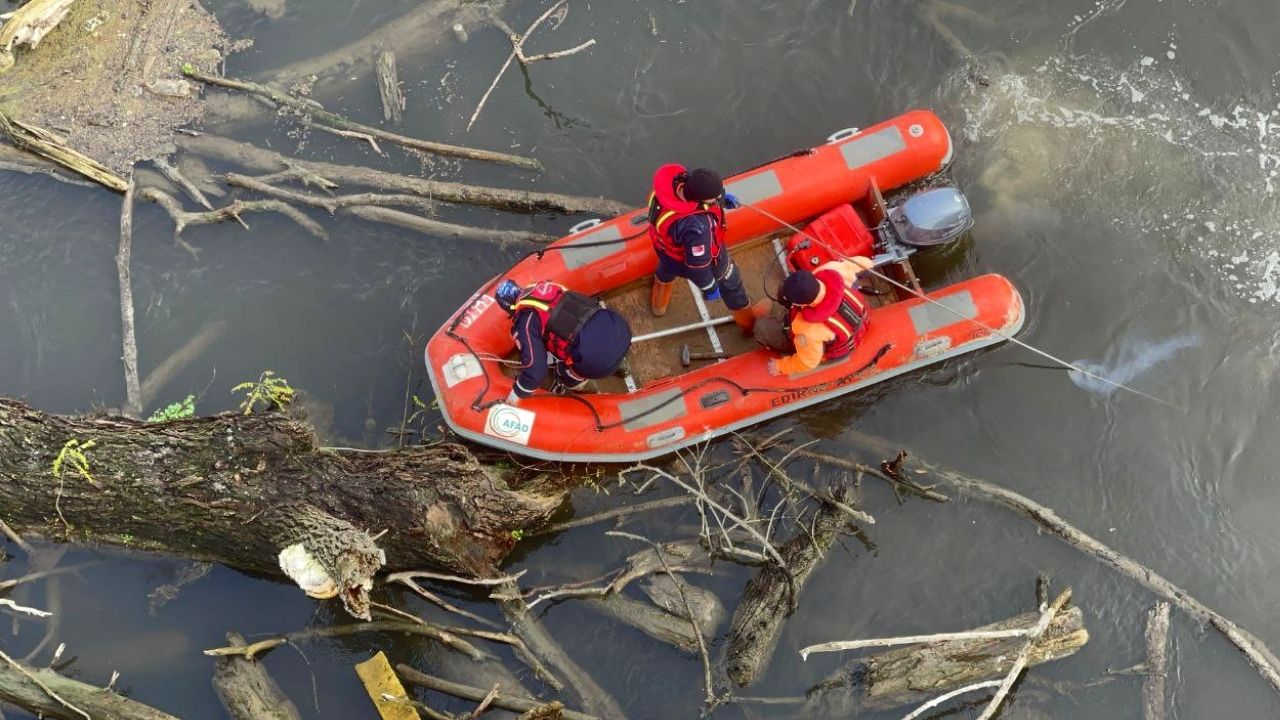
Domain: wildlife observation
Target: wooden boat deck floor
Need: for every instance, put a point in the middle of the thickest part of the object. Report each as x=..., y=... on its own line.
x=653, y=360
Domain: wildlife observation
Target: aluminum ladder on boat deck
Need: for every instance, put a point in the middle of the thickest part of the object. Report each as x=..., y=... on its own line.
x=705, y=315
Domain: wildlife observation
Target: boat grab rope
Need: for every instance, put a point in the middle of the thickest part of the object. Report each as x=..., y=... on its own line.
x=1053, y=358
x=743, y=390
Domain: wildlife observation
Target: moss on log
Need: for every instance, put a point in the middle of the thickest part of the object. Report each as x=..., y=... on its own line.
x=237, y=489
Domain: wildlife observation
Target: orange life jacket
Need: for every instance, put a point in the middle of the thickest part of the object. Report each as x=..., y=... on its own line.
x=666, y=208
x=563, y=313
x=843, y=310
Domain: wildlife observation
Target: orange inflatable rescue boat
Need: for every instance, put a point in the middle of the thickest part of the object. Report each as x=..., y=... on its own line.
x=667, y=399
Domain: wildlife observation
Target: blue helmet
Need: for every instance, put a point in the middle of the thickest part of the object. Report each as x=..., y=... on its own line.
x=508, y=293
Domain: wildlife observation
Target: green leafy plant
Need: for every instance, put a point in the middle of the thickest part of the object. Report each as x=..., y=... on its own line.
x=517, y=535
x=269, y=390
x=73, y=454
x=175, y=411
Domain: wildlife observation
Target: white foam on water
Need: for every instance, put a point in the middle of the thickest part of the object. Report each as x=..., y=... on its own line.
x=1212, y=170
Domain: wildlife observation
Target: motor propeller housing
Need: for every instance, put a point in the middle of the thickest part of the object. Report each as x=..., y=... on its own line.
x=933, y=217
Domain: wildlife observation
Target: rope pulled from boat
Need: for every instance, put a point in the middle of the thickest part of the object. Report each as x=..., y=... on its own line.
x=1053, y=358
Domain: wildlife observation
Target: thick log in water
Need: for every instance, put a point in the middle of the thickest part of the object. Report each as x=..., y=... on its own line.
x=389, y=87
x=237, y=489
x=768, y=599
x=246, y=690
x=915, y=673
x=542, y=646
x=47, y=694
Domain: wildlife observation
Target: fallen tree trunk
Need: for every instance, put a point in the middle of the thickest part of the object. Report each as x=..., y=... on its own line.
x=268, y=161
x=1153, y=682
x=30, y=688
x=542, y=646
x=246, y=690
x=237, y=489
x=915, y=673
x=769, y=597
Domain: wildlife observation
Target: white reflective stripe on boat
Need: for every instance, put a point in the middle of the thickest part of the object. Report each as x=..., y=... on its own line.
x=867, y=148
x=927, y=317
x=654, y=409
x=576, y=257
x=752, y=190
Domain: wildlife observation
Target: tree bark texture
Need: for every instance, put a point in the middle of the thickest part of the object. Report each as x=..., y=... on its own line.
x=913, y=674
x=389, y=87
x=236, y=489
x=18, y=689
x=765, y=605
x=1157, y=636
x=246, y=690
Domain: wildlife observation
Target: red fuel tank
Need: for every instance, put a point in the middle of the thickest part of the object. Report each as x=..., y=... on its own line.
x=840, y=233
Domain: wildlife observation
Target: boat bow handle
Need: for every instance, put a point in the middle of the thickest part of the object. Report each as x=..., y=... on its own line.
x=584, y=226
x=844, y=134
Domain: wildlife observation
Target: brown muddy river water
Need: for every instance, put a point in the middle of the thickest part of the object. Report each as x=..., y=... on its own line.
x=1121, y=159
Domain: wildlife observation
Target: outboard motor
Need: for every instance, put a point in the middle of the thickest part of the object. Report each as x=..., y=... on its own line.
x=934, y=217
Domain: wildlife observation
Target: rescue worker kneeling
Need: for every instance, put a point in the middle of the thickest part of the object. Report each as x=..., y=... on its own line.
x=825, y=319
x=586, y=339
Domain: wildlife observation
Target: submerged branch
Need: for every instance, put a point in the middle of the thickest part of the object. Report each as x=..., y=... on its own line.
x=1257, y=652
x=315, y=111
x=268, y=161
x=474, y=694
x=183, y=219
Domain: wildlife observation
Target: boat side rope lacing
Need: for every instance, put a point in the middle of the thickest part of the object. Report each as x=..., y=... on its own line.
x=1062, y=363
x=742, y=390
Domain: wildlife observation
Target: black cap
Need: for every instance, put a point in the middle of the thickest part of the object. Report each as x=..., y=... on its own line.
x=702, y=185
x=800, y=288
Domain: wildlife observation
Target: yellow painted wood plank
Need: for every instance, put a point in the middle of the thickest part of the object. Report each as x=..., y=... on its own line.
x=379, y=678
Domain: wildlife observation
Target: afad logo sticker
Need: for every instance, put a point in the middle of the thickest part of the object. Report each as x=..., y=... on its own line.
x=509, y=423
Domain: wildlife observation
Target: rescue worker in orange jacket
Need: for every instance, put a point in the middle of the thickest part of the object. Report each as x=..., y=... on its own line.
x=687, y=227
x=825, y=319
x=587, y=339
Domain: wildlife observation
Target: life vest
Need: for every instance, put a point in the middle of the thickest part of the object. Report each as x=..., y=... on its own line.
x=666, y=208
x=563, y=313
x=842, y=309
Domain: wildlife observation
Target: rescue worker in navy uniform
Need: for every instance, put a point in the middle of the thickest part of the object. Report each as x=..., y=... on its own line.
x=687, y=227
x=587, y=339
